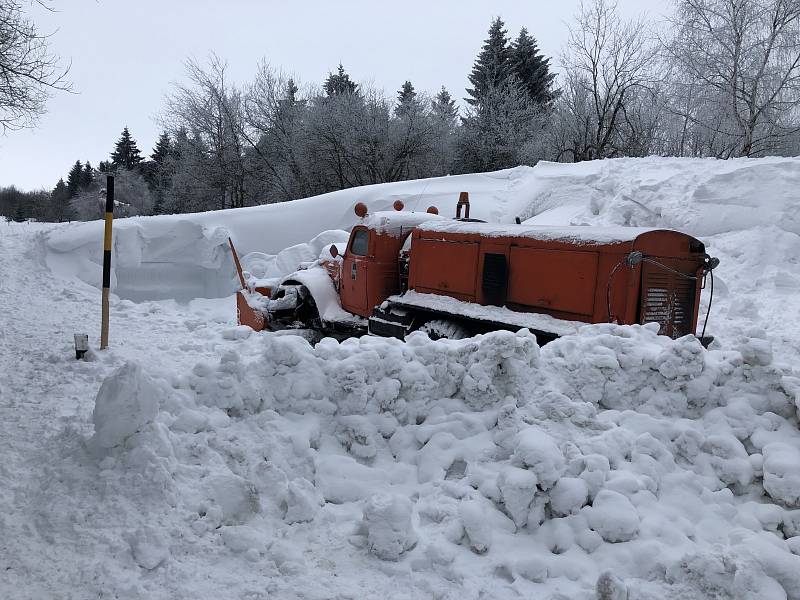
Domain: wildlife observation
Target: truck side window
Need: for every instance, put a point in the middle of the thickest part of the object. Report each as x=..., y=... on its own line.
x=360, y=243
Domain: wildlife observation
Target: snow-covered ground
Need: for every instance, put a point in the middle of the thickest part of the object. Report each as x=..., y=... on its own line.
x=195, y=459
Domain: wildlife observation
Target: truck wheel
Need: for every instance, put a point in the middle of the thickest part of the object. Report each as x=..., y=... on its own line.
x=438, y=329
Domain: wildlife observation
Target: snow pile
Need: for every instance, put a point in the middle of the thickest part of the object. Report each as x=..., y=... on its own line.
x=615, y=459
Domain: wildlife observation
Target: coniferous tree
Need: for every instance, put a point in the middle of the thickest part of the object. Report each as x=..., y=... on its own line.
x=291, y=92
x=162, y=149
x=20, y=213
x=339, y=84
x=532, y=69
x=126, y=153
x=74, y=179
x=87, y=176
x=492, y=68
x=60, y=210
x=158, y=175
x=104, y=167
x=406, y=99
x=444, y=108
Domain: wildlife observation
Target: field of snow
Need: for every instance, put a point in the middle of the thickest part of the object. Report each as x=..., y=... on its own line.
x=196, y=459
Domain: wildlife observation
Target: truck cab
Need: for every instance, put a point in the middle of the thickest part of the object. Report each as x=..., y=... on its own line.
x=370, y=270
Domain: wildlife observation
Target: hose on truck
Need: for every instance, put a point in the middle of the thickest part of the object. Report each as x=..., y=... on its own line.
x=636, y=257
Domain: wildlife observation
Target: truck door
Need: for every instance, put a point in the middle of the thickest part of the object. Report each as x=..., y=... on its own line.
x=354, y=273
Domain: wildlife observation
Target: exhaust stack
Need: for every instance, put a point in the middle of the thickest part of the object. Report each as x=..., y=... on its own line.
x=463, y=200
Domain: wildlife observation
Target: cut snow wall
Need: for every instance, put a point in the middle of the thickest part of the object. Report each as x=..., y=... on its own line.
x=151, y=259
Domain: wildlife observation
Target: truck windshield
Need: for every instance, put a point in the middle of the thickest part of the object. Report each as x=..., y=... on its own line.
x=360, y=243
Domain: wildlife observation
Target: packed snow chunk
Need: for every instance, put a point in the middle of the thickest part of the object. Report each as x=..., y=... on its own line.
x=149, y=548
x=128, y=400
x=613, y=516
x=303, y=501
x=237, y=497
x=782, y=473
x=517, y=487
x=538, y=451
x=241, y=538
x=532, y=568
x=477, y=525
x=755, y=351
x=568, y=496
x=240, y=332
x=387, y=520
x=190, y=421
x=729, y=459
x=358, y=435
x=610, y=587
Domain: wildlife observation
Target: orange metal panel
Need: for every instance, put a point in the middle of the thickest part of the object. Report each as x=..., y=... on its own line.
x=444, y=267
x=554, y=280
x=248, y=316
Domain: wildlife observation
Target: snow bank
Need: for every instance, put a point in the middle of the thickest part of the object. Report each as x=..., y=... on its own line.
x=613, y=459
x=156, y=258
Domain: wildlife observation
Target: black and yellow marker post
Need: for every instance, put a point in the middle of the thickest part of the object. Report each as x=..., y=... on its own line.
x=107, y=259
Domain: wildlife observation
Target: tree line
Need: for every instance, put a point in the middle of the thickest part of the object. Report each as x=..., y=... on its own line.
x=717, y=78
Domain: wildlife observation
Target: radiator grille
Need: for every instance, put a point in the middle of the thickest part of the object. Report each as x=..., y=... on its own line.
x=668, y=299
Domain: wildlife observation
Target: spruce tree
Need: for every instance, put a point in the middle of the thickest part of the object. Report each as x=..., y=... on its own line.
x=74, y=179
x=340, y=83
x=492, y=68
x=291, y=92
x=162, y=149
x=87, y=176
x=158, y=172
x=406, y=99
x=444, y=108
x=20, y=214
x=532, y=69
x=126, y=153
x=60, y=203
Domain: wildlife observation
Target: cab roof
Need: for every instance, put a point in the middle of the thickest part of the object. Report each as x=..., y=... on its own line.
x=396, y=222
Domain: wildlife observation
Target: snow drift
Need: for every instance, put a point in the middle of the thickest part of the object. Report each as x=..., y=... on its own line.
x=488, y=465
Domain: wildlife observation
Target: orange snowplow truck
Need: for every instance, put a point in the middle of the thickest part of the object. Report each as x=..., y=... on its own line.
x=404, y=271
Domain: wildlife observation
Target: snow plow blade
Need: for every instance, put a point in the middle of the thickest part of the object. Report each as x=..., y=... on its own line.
x=246, y=315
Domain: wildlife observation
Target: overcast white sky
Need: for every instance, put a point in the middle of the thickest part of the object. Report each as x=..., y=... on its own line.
x=125, y=56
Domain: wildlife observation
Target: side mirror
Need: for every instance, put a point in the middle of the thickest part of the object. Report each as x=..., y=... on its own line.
x=334, y=251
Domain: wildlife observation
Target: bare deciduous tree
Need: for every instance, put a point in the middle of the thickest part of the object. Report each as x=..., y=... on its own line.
x=212, y=110
x=738, y=72
x=607, y=60
x=28, y=71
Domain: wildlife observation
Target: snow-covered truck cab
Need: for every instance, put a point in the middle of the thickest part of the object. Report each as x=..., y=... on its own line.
x=371, y=265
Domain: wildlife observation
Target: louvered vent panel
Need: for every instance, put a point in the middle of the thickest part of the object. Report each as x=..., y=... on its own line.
x=667, y=299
